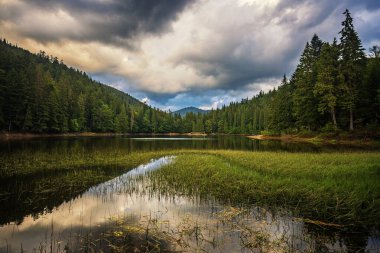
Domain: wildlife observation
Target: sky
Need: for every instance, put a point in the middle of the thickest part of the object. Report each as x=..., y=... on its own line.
x=177, y=53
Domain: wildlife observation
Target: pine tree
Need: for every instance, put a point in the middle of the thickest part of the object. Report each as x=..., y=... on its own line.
x=368, y=109
x=242, y=122
x=326, y=87
x=352, y=54
x=121, y=122
x=280, y=116
x=304, y=101
x=155, y=122
x=375, y=51
x=3, y=87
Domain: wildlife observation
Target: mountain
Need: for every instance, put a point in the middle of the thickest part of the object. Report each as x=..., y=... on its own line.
x=187, y=110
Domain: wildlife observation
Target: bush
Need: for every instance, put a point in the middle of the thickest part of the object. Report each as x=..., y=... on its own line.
x=329, y=128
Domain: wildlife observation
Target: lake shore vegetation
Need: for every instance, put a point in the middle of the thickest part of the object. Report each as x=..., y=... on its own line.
x=340, y=188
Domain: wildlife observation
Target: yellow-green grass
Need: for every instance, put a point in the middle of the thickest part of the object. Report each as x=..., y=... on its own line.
x=32, y=182
x=30, y=163
x=332, y=187
x=343, y=188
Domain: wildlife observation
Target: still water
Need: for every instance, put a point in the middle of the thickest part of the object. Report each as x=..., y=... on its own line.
x=149, y=143
x=128, y=208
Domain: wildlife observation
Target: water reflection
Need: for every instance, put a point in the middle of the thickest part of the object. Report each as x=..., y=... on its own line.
x=131, y=204
x=171, y=139
x=147, y=143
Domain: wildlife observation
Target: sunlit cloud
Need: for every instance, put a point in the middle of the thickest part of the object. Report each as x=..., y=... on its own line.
x=160, y=50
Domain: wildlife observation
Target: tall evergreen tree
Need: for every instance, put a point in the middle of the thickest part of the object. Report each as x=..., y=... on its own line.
x=375, y=51
x=304, y=100
x=326, y=87
x=281, y=108
x=368, y=109
x=352, y=54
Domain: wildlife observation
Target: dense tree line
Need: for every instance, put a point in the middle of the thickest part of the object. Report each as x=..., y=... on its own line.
x=335, y=86
x=39, y=93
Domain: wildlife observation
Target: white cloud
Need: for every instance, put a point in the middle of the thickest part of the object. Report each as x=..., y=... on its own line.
x=202, y=51
x=234, y=46
x=145, y=100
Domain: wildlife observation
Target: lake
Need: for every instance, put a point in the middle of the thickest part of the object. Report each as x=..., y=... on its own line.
x=127, y=211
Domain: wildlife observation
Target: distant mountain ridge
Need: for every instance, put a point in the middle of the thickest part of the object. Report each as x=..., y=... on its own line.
x=190, y=109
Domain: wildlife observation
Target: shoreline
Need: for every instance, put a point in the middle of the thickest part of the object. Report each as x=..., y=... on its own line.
x=290, y=138
x=4, y=136
x=351, y=140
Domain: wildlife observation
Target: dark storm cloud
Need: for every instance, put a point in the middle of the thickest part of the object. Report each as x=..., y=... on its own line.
x=218, y=50
x=322, y=10
x=368, y=4
x=233, y=73
x=115, y=21
x=237, y=72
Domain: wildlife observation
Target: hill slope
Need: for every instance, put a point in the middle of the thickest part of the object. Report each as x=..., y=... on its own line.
x=190, y=109
x=38, y=93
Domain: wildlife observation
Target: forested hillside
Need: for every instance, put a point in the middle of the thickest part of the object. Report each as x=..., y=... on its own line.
x=335, y=86
x=187, y=110
x=38, y=93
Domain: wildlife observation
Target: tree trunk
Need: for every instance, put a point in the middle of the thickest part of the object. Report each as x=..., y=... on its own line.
x=333, y=116
x=351, y=120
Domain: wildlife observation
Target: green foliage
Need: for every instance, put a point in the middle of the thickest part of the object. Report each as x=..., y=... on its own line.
x=281, y=106
x=368, y=109
x=352, y=56
x=304, y=79
x=326, y=87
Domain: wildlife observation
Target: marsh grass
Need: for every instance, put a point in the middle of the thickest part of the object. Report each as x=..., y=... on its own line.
x=324, y=188
x=333, y=188
x=40, y=162
x=36, y=182
x=339, y=191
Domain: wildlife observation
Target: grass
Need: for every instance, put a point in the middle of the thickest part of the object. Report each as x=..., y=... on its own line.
x=40, y=162
x=330, y=190
x=342, y=188
x=32, y=182
x=334, y=188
